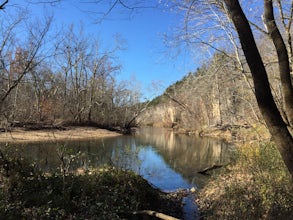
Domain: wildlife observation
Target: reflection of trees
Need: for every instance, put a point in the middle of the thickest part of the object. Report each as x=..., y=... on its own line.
x=94, y=153
x=187, y=155
x=119, y=151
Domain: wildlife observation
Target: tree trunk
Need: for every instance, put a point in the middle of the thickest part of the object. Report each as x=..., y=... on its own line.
x=283, y=59
x=265, y=100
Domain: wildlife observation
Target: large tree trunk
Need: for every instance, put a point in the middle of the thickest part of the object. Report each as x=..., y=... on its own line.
x=265, y=100
x=283, y=59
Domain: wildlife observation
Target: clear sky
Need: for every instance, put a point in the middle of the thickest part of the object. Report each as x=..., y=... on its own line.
x=146, y=59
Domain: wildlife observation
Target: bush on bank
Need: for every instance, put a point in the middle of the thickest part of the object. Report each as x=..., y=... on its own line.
x=255, y=186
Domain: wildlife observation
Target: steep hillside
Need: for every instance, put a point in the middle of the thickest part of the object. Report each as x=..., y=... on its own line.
x=217, y=99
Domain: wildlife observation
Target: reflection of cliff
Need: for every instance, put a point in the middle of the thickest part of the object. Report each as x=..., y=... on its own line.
x=156, y=137
x=185, y=154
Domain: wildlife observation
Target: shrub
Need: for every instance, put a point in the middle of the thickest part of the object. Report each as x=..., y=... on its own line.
x=256, y=186
x=27, y=193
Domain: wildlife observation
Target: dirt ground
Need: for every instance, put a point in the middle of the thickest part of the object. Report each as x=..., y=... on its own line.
x=71, y=133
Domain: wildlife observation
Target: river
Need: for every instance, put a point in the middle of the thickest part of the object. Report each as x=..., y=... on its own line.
x=167, y=160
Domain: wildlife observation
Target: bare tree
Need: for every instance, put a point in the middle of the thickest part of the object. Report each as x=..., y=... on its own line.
x=276, y=124
x=283, y=57
x=220, y=22
x=19, y=58
x=74, y=55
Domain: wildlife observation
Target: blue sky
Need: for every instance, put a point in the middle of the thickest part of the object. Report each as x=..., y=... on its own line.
x=146, y=60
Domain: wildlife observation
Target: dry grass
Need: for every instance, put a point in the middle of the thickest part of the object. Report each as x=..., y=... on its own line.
x=257, y=186
x=72, y=133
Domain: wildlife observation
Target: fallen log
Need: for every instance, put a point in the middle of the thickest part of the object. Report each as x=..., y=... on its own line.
x=206, y=170
x=154, y=214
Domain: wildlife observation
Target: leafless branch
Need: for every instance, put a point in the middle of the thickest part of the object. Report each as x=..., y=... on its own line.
x=258, y=28
x=2, y=6
x=30, y=60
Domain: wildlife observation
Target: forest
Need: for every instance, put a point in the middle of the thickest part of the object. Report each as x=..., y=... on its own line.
x=215, y=100
x=51, y=78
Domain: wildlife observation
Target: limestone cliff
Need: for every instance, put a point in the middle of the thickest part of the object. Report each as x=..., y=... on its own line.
x=216, y=96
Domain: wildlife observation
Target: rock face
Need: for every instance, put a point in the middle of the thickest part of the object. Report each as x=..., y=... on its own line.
x=214, y=97
x=159, y=116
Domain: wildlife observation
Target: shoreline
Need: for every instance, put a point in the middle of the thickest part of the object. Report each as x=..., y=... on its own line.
x=20, y=135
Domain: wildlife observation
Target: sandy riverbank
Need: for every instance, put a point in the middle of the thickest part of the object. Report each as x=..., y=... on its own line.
x=71, y=133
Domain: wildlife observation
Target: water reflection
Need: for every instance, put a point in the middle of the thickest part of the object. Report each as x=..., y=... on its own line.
x=186, y=155
x=167, y=160
x=186, y=151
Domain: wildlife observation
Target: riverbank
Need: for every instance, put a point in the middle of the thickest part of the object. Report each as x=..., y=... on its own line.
x=255, y=186
x=94, y=193
x=231, y=133
x=20, y=135
x=101, y=193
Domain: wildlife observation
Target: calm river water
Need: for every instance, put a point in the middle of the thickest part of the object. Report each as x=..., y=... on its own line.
x=167, y=160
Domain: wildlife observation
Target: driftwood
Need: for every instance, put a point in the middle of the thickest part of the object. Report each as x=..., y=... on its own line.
x=206, y=170
x=154, y=214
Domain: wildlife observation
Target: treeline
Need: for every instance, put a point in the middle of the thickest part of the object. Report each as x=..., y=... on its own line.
x=217, y=95
x=50, y=76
